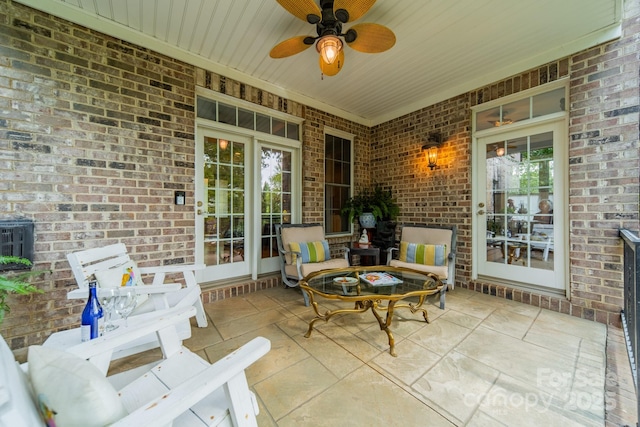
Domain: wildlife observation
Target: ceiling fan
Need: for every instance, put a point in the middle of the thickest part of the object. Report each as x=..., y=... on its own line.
x=505, y=120
x=328, y=18
x=499, y=148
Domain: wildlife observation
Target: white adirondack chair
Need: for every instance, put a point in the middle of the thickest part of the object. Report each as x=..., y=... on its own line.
x=181, y=389
x=90, y=262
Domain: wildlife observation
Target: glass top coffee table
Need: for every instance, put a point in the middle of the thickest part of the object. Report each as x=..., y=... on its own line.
x=378, y=288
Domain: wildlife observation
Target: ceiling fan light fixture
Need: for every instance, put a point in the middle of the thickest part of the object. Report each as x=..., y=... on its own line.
x=329, y=47
x=332, y=69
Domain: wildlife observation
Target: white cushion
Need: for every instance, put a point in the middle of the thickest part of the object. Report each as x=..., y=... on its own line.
x=75, y=389
x=126, y=274
x=16, y=405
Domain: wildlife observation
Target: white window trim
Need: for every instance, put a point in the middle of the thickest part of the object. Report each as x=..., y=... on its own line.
x=351, y=137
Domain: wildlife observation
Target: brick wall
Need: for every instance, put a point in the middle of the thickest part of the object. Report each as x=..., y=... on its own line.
x=313, y=159
x=96, y=136
x=603, y=171
x=438, y=196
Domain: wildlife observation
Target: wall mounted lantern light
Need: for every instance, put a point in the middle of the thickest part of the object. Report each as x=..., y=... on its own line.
x=434, y=140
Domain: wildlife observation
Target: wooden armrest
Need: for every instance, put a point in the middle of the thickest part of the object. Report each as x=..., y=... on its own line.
x=171, y=268
x=140, y=290
x=165, y=408
x=139, y=326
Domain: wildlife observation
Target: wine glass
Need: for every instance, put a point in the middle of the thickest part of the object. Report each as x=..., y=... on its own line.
x=125, y=302
x=108, y=301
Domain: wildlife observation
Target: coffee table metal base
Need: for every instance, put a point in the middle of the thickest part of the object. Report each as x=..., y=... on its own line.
x=374, y=304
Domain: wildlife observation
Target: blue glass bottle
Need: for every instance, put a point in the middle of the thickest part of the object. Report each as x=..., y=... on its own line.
x=92, y=316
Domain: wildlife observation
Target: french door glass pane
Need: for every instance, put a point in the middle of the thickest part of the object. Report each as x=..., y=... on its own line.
x=224, y=221
x=520, y=201
x=275, y=196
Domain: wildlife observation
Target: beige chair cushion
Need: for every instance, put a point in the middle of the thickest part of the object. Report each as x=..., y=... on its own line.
x=432, y=236
x=441, y=270
x=307, y=269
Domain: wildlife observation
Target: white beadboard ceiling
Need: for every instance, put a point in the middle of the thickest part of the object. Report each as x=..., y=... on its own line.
x=444, y=47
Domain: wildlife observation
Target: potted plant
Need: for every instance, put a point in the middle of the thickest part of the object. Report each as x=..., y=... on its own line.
x=377, y=202
x=15, y=282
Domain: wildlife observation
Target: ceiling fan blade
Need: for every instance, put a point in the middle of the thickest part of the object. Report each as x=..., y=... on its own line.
x=289, y=47
x=372, y=38
x=301, y=8
x=354, y=8
x=332, y=69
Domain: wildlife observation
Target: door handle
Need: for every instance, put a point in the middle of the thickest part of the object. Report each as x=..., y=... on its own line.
x=480, y=212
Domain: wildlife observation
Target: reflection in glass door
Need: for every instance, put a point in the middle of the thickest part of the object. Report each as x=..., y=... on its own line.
x=520, y=194
x=223, y=204
x=275, y=198
x=520, y=201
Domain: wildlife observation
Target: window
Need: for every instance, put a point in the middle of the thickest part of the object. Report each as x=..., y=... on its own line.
x=338, y=178
x=537, y=105
x=241, y=117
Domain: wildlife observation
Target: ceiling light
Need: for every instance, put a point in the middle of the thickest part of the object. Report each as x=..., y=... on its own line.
x=332, y=69
x=329, y=47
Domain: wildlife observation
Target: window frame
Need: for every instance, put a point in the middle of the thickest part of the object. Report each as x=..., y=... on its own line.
x=335, y=133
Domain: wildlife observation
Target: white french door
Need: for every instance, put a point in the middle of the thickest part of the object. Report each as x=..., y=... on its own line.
x=244, y=187
x=277, y=197
x=517, y=175
x=222, y=204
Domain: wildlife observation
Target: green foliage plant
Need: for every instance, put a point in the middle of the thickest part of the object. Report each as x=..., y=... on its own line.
x=377, y=200
x=15, y=282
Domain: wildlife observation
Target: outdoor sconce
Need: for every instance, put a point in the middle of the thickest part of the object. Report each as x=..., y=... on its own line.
x=434, y=140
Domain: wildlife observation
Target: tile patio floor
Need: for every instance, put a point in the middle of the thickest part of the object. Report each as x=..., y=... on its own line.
x=483, y=361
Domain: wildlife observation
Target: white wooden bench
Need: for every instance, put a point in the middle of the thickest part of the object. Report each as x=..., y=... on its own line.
x=182, y=389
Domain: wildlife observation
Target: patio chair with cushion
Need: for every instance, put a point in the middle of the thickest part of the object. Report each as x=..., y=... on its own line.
x=111, y=266
x=71, y=387
x=429, y=248
x=303, y=250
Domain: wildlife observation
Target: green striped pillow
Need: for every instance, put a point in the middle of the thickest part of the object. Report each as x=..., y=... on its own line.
x=311, y=251
x=417, y=253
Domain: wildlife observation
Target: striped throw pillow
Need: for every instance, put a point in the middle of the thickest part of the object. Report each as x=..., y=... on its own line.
x=423, y=254
x=311, y=251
